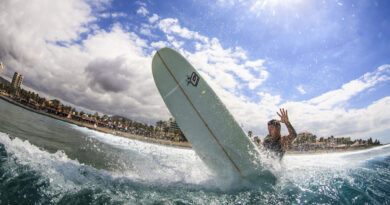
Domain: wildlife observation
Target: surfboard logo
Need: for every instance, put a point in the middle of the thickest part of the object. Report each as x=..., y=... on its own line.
x=193, y=79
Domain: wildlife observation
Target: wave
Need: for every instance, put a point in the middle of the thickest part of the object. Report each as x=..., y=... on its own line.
x=151, y=164
x=162, y=173
x=155, y=162
x=64, y=178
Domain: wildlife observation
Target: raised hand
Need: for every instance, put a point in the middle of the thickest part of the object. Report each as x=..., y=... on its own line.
x=283, y=116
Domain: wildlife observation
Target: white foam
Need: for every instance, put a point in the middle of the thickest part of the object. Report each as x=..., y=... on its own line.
x=323, y=169
x=61, y=172
x=160, y=163
x=154, y=164
x=326, y=164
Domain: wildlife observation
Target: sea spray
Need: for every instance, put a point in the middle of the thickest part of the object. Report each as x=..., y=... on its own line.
x=326, y=178
x=50, y=160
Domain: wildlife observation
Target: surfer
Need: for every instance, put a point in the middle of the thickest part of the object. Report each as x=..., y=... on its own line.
x=273, y=141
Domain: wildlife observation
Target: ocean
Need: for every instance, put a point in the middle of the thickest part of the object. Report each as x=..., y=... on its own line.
x=47, y=161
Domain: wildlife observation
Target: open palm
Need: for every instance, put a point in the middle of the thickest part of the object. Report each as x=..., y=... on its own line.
x=283, y=115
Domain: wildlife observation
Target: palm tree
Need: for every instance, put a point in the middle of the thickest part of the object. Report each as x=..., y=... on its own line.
x=250, y=133
x=158, y=124
x=166, y=130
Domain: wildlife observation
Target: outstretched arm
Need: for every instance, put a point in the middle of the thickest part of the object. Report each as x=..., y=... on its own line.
x=286, y=140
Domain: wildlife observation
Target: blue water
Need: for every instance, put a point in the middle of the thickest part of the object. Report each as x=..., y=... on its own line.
x=46, y=161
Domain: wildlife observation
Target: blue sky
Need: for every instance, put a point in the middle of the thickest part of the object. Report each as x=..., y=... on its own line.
x=325, y=61
x=319, y=45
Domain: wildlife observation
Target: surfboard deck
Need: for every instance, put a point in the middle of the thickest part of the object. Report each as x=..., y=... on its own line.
x=212, y=131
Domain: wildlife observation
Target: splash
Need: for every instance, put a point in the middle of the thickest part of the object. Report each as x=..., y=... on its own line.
x=168, y=174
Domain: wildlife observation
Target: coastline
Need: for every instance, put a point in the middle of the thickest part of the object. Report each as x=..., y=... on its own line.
x=100, y=129
x=328, y=151
x=162, y=141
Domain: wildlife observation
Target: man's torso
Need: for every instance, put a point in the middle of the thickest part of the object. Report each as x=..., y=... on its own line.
x=274, y=146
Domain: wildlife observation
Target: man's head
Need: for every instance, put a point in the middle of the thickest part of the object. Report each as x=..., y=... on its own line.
x=274, y=128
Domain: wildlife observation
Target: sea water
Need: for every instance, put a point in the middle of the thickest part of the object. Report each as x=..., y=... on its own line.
x=47, y=161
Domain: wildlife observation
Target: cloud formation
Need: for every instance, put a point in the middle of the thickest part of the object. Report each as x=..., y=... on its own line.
x=107, y=75
x=109, y=70
x=301, y=90
x=143, y=11
x=329, y=114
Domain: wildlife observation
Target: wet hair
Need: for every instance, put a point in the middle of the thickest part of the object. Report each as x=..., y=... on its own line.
x=274, y=123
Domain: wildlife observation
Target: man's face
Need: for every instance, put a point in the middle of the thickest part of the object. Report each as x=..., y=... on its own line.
x=274, y=130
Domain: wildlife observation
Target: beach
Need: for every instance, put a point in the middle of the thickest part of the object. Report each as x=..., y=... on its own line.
x=162, y=141
x=97, y=128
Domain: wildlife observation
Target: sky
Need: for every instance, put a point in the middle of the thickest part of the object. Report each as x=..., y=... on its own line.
x=326, y=62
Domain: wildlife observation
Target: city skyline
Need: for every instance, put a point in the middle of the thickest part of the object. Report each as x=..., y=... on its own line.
x=326, y=62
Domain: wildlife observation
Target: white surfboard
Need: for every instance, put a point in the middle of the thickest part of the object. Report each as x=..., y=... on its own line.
x=210, y=128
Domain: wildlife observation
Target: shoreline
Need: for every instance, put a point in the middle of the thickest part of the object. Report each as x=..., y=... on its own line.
x=162, y=141
x=100, y=129
x=329, y=151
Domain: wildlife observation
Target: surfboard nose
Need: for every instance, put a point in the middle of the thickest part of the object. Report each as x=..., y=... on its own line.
x=156, y=60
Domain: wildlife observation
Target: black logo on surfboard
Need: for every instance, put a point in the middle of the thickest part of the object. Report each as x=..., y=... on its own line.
x=193, y=79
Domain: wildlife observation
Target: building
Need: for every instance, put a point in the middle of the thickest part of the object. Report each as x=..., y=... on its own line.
x=1, y=68
x=173, y=125
x=17, y=80
x=305, y=137
x=55, y=103
x=4, y=81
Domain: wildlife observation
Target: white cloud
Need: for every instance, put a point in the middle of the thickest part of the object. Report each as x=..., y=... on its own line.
x=257, y=5
x=140, y=3
x=383, y=67
x=118, y=14
x=301, y=90
x=159, y=44
x=348, y=90
x=214, y=60
x=113, y=15
x=146, y=30
x=143, y=11
x=268, y=99
x=324, y=115
x=110, y=72
x=55, y=28
x=257, y=64
x=328, y=114
x=105, y=15
x=154, y=18
x=172, y=26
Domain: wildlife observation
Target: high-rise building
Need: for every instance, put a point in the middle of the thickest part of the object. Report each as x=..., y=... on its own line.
x=173, y=126
x=1, y=68
x=17, y=80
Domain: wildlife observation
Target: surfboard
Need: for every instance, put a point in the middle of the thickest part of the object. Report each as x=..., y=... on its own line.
x=207, y=124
